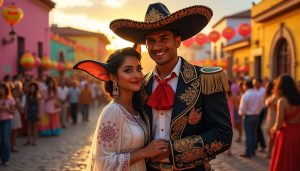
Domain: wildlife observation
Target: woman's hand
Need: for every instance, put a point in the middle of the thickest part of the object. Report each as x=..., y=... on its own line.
x=156, y=147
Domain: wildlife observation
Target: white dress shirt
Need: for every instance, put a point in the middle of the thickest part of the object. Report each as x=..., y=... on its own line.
x=251, y=103
x=162, y=118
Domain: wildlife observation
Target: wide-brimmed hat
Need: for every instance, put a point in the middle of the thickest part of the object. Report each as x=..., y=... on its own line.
x=186, y=22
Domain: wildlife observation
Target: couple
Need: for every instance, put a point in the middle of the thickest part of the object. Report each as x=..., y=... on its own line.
x=175, y=117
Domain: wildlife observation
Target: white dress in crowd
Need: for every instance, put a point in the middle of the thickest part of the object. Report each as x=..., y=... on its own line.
x=117, y=134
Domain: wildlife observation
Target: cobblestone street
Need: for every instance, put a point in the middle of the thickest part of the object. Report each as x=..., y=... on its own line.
x=69, y=152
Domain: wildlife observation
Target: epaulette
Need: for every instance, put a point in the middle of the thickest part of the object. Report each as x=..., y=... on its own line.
x=213, y=80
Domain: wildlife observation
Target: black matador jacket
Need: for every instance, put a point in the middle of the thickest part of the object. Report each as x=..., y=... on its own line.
x=200, y=123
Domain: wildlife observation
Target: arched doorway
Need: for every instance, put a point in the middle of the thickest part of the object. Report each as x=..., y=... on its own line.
x=282, y=54
x=282, y=58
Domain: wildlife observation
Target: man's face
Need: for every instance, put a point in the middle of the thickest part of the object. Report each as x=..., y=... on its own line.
x=162, y=46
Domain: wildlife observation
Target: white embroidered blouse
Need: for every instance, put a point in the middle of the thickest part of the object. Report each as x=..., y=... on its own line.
x=117, y=134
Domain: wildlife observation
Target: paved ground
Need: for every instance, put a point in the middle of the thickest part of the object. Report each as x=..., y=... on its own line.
x=69, y=151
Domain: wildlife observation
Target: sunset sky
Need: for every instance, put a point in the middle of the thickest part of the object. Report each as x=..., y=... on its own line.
x=95, y=15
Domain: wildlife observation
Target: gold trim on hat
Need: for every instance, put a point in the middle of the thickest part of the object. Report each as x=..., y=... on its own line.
x=153, y=16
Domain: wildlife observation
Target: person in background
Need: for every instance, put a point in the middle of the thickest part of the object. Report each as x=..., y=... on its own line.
x=74, y=93
x=7, y=105
x=52, y=107
x=32, y=113
x=271, y=103
x=85, y=101
x=250, y=107
x=19, y=108
x=258, y=86
x=286, y=150
x=63, y=97
x=230, y=99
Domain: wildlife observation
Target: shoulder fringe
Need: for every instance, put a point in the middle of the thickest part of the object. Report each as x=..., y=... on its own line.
x=213, y=82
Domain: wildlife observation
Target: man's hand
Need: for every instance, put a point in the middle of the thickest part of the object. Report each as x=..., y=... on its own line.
x=161, y=156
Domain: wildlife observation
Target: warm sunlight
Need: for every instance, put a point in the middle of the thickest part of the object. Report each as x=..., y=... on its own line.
x=114, y=3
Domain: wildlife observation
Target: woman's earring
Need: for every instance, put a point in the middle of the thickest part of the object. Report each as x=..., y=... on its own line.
x=115, y=92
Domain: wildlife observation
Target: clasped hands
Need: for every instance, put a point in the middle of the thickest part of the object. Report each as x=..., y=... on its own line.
x=160, y=150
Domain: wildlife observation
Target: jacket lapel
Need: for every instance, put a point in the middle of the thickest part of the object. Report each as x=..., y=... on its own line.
x=187, y=91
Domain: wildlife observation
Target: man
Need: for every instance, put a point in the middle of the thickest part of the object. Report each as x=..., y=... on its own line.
x=63, y=97
x=258, y=85
x=250, y=106
x=195, y=120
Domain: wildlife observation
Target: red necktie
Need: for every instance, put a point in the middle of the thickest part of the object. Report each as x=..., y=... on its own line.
x=163, y=96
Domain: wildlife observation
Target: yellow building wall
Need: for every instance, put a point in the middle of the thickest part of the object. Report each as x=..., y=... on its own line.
x=265, y=32
x=264, y=5
x=242, y=54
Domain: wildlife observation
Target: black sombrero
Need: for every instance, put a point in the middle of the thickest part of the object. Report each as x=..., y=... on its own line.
x=186, y=22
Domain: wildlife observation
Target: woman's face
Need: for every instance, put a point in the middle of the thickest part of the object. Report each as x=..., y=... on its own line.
x=129, y=75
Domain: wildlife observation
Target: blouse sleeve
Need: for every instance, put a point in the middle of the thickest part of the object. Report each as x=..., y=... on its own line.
x=105, y=153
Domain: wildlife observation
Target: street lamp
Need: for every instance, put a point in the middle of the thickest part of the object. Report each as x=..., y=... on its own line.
x=12, y=36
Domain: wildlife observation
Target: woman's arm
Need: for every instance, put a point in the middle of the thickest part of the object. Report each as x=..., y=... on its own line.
x=279, y=114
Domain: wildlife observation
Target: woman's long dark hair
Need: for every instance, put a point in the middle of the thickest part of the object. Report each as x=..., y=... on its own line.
x=286, y=87
x=113, y=63
x=34, y=94
x=6, y=87
x=269, y=88
x=49, y=80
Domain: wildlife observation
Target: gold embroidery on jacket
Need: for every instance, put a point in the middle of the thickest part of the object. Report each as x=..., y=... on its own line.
x=178, y=127
x=144, y=96
x=213, y=147
x=185, y=144
x=188, y=73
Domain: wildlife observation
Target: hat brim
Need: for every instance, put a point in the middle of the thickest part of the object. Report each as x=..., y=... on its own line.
x=186, y=22
x=96, y=69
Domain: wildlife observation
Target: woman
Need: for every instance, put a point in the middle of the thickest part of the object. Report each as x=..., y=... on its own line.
x=286, y=152
x=7, y=104
x=19, y=108
x=270, y=102
x=32, y=112
x=52, y=107
x=121, y=133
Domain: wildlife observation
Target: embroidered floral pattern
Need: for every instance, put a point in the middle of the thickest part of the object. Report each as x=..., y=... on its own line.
x=126, y=162
x=189, y=72
x=195, y=116
x=185, y=144
x=189, y=96
x=144, y=96
x=214, y=147
x=177, y=128
x=190, y=155
x=153, y=15
x=108, y=134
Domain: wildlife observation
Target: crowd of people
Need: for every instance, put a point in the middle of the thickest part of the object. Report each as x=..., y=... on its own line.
x=34, y=107
x=270, y=106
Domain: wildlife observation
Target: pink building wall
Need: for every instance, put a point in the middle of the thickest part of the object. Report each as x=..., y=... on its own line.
x=34, y=28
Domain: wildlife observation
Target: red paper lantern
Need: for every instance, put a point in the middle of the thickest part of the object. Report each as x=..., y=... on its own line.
x=244, y=69
x=201, y=39
x=61, y=66
x=12, y=14
x=224, y=64
x=228, y=33
x=244, y=29
x=213, y=63
x=235, y=68
x=1, y=2
x=27, y=60
x=46, y=62
x=214, y=36
x=188, y=42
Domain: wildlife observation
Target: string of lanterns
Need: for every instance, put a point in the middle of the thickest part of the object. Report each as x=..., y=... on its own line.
x=28, y=61
x=228, y=33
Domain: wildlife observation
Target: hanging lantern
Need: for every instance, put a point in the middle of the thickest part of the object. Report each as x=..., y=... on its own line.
x=1, y=3
x=12, y=14
x=224, y=64
x=27, y=60
x=37, y=61
x=235, y=68
x=214, y=36
x=244, y=29
x=201, y=39
x=188, y=42
x=60, y=66
x=244, y=69
x=46, y=63
x=69, y=65
x=219, y=63
x=228, y=33
x=54, y=64
x=207, y=62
